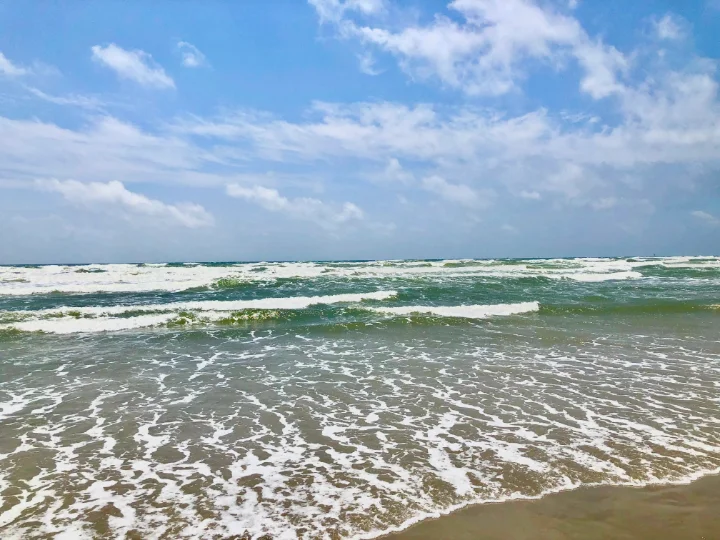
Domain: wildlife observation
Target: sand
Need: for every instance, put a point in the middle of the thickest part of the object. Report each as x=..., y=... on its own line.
x=619, y=513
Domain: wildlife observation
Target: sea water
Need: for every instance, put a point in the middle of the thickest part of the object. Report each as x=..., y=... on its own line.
x=344, y=399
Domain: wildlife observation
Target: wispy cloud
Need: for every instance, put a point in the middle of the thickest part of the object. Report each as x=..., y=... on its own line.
x=9, y=69
x=669, y=27
x=706, y=217
x=456, y=193
x=367, y=64
x=191, y=55
x=74, y=100
x=137, y=66
x=304, y=208
x=114, y=195
x=334, y=10
x=101, y=149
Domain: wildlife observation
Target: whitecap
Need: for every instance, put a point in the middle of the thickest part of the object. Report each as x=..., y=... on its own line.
x=464, y=312
x=110, y=318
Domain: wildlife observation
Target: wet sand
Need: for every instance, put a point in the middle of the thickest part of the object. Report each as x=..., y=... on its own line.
x=682, y=512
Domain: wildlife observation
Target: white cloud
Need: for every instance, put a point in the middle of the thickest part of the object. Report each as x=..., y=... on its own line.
x=670, y=119
x=394, y=172
x=334, y=10
x=367, y=64
x=114, y=195
x=304, y=208
x=456, y=193
x=569, y=179
x=669, y=27
x=706, y=217
x=485, y=52
x=9, y=69
x=103, y=149
x=602, y=64
x=84, y=102
x=663, y=129
x=134, y=65
x=191, y=55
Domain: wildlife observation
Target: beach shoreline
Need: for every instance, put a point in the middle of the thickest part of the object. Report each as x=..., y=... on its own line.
x=677, y=511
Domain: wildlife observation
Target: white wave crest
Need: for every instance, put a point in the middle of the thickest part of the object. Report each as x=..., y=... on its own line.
x=464, y=312
x=109, y=319
x=123, y=278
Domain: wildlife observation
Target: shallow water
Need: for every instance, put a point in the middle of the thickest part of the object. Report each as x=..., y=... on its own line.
x=344, y=400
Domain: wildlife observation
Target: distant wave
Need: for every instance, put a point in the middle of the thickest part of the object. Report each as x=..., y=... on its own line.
x=129, y=278
x=590, y=277
x=658, y=306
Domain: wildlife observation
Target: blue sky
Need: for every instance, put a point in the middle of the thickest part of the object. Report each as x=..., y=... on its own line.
x=355, y=129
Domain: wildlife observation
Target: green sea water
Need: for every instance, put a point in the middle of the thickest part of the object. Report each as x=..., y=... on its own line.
x=344, y=399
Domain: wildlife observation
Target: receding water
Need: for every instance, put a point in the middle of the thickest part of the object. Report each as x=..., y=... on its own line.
x=344, y=400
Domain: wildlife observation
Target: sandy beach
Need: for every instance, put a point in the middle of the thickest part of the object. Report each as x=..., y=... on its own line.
x=678, y=512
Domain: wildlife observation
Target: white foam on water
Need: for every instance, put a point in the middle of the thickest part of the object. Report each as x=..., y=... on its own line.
x=71, y=325
x=349, y=436
x=596, y=278
x=464, y=312
x=113, y=278
x=123, y=278
x=109, y=319
x=599, y=277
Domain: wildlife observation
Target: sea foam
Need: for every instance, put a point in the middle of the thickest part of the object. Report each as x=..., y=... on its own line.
x=464, y=312
x=110, y=318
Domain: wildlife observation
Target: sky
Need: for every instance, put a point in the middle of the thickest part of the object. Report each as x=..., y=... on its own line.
x=358, y=129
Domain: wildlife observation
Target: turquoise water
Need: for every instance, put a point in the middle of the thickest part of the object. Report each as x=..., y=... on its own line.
x=344, y=400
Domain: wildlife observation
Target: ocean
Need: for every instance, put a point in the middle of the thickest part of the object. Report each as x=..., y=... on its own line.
x=345, y=399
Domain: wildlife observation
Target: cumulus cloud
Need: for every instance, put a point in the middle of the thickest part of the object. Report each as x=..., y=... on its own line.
x=706, y=217
x=9, y=69
x=602, y=63
x=115, y=196
x=191, y=55
x=657, y=131
x=137, y=66
x=670, y=120
x=303, y=208
x=483, y=53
